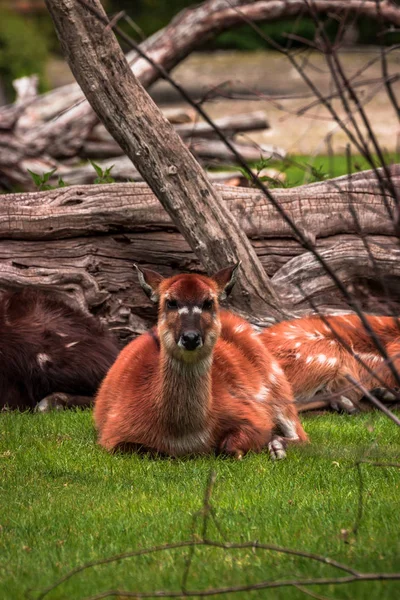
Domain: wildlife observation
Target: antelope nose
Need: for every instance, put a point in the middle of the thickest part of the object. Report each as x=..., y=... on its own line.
x=191, y=340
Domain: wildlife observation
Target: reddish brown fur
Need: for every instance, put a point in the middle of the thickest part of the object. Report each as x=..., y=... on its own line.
x=166, y=399
x=47, y=347
x=315, y=360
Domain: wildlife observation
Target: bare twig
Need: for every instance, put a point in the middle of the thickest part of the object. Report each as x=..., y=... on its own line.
x=374, y=400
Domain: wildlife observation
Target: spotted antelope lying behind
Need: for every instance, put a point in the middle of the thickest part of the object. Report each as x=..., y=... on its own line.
x=317, y=362
x=200, y=381
x=51, y=354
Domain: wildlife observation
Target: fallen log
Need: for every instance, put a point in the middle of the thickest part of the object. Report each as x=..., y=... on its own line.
x=321, y=209
x=101, y=144
x=82, y=241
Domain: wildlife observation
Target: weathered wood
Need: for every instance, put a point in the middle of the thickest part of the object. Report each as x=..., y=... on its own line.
x=214, y=150
x=303, y=278
x=96, y=273
x=83, y=241
x=101, y=144
x=157, y=151
x=322, y=209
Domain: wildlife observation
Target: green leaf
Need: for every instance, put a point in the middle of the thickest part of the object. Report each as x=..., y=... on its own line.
x=97, y=168
x=46, y=176
x=37, y=179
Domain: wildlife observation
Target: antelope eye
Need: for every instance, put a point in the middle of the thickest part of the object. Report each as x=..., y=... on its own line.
x=208, y=304
x=172, y=304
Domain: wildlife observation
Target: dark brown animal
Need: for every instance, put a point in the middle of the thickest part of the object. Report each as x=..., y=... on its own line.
x=49, y=352
x=202, y=381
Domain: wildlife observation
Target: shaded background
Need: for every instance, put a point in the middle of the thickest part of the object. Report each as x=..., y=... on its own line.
x=240, y=60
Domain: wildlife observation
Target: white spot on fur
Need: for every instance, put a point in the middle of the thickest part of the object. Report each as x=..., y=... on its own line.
x=309, y=359
x=321, y=358
x=262, y=394
x=368, y=356
x=297, y=345
x=240, y=328
x=71, y=344
x=332, y=361
x=288, y=426
x=347, y=320
x=273, y=379
x=43, y=359
x=298, y=355
x=276, y=368
x=61, y=334
x=290, y=336
x=332, y=342
x=314, y=336
x=196, y=310
x=272, y=333
x=183, y=311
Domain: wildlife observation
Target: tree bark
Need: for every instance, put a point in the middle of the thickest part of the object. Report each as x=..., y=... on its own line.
x=322, y=209
x=83, y=240
x=158, y=153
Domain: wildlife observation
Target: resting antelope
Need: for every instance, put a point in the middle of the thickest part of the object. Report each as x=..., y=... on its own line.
x=316, y=361
x=50, y=353
x=200, y=381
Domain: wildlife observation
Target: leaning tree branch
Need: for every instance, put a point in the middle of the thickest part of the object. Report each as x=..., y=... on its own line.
x=158, y=152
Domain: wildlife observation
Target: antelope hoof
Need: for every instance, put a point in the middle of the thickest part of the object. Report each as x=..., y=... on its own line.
x=343, y=404
x=51, y=402
x=276, y=449
x=233, y=445
x=384, y=394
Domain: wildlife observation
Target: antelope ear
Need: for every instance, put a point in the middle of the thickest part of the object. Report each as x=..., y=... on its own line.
x=226, y=279
x=150, y=281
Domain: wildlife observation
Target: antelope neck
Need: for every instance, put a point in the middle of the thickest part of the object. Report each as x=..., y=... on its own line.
x=185, y=394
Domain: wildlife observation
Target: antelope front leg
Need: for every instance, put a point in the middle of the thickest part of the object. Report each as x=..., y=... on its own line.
x=238, y=442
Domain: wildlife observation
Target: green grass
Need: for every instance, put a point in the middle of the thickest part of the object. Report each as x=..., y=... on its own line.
x=301, y=169
x=64, y=501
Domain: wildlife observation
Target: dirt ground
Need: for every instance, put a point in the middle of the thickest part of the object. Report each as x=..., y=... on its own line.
x=266, y=80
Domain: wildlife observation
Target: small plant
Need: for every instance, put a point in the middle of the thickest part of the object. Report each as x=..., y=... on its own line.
x=41, y=180
x=103, y=176
x=257, y=169
x=317, y=173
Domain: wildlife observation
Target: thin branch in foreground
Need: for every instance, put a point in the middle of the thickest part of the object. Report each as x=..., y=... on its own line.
x=360, y=508
x=204, y=512
x=310, y=593
x=262, y=585
x=374, y=400
x=201, y=543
